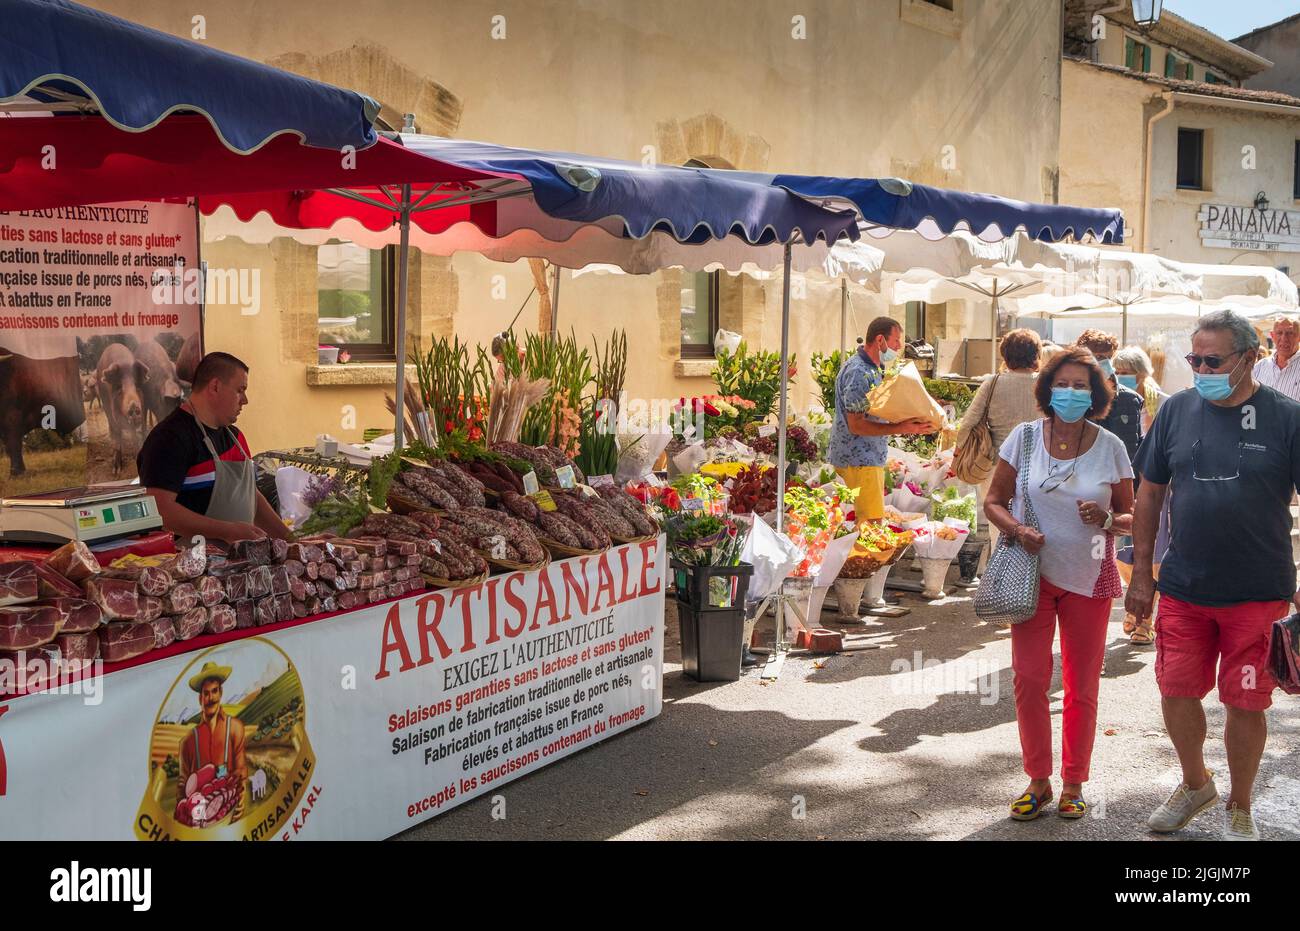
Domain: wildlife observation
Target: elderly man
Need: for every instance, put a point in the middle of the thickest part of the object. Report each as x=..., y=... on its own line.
x=1277, y=371
x=1230, y=453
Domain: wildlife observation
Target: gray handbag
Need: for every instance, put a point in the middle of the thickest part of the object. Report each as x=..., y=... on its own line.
x=1008, y=592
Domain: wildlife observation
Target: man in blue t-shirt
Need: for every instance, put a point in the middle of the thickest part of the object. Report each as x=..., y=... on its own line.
x=1229, y=453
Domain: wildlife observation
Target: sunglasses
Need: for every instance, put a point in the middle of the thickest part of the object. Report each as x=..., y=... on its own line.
x=1213, y=362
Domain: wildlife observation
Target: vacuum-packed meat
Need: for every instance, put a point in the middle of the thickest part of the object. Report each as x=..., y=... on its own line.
x=236, y=586
x=259, y=581
x=123, y=640
x=221, y=618
x=258, y=551
x=265, y=611
x=25, y=626
x=117, y=598
x=188, y=563
x=79, y=615
x=78, y=646
x=151, y=608
x=164, y=632
x=296, y=568
x=74, y=561
x=18, y=583
x=211, y=591
x=183, y=597
x=245, y=615
x=279, y=580
x=190, y=624
x=279, y=549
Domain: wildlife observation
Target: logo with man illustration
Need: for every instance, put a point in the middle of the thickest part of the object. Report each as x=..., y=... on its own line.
x=229, y=757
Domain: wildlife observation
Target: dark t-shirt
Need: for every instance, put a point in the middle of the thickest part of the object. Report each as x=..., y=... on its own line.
x=1125, y=419
x=174, y=457
x=1230, y=537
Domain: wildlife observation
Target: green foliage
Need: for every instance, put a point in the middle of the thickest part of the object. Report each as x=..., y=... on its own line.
x=454, y=384
x=825, y=370
x=954, y=392
x=754, y=376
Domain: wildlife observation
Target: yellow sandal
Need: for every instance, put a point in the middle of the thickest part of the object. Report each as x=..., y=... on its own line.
x=1029, y=806
x=1072, y=808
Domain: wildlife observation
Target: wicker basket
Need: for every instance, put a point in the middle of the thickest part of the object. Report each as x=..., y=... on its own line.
x=559, y=549
x=618, y=539
x=399, y=505
x=436, y=582
x=515, y=566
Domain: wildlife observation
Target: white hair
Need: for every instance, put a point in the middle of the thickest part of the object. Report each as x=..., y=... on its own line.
x=1133, y=359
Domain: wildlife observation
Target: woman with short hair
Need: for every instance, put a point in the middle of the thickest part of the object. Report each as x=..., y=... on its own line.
x=1080, y=484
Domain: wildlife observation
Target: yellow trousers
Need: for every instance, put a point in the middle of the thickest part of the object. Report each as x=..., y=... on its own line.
x=868, y=483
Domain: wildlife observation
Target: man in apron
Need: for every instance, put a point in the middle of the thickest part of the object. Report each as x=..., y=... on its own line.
x=197, y=464
x=217, y=738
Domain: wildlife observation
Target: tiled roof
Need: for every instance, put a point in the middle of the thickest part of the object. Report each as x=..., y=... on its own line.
x=1201, y=88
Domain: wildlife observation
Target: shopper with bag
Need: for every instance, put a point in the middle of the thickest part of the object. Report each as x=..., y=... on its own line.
x=1001, y=404
x=1229, y=452
x=859, y=442
x=1062, y=490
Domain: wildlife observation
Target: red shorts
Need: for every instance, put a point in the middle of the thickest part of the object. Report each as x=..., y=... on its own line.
x=1192, y=640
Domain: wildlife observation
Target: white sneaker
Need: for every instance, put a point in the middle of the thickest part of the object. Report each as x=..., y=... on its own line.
x=1183, y=804
x=1239, y=825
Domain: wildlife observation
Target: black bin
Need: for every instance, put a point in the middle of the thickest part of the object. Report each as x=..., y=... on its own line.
x=711, y=616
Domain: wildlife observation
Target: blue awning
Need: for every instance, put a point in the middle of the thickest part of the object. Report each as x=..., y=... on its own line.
x=891, y=202
x=694, y=205
x=55, y=51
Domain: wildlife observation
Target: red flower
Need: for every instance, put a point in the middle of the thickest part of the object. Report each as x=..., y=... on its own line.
x=710, y=410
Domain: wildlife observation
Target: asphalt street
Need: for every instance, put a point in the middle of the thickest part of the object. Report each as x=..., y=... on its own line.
x=913, y=739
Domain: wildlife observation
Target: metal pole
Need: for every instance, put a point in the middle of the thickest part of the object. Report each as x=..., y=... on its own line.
x=555, y=303
x=403, y=259
x=780, y=643
x=993, y=341
x=1123, y=327
x=844, y=313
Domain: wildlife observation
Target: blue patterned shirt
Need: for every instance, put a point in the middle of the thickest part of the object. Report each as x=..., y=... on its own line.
x=857, y=376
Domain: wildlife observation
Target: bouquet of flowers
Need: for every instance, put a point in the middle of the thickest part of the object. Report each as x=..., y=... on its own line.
x=699, y=539
x=799, y=446
x=938, y=541
x=813, y=517
x=949, y=502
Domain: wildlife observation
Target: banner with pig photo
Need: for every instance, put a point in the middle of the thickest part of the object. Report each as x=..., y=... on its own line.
x=98, y=337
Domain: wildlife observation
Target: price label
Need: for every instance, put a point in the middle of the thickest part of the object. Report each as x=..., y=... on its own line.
x=597, y=480
x=589, y=491
x=544, y=500
x=767, y=429
x=565, y=476
x=416, y=462
x=531, y=484
x=436, y=545
x=694, y=504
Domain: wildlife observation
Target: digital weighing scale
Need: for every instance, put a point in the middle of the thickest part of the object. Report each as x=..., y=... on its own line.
x=89, y=513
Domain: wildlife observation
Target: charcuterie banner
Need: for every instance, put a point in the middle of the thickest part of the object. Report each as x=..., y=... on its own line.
x=355, y=726
x=100, y=310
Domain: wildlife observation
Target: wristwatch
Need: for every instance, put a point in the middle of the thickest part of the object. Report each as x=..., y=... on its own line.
x=1110, y=519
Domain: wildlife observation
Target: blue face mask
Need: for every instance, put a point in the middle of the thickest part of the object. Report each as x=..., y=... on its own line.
x=887, y=356
x=1070, y=404
x=1128, y=381
x=1106, y=366
x=1216, y=386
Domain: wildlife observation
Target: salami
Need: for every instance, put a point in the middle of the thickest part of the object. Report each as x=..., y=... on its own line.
x=347, y=600
x=78, y=647
x=370, y=546
x=183, y=597
x=279, y=549
x=265, y=611
x=191, y=623
x=78, y=616
x=211, y=591
x=151, y=608
x=236, y=586
x=164, y=632
x=189, y=563
x=298, y=589
x=279, y=580
x=244, y=615
x=259, y=581
x=123, y=640
x=257, y=552
x=221, y=618
x=299, y=608
x=295, y=568
x=305, y=552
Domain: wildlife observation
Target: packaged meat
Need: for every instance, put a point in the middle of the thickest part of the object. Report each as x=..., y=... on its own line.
x=295, y=568
x=18, y=583
x=344, y=551
x=123, y=640
x=221, y=618
x=305, y=552
x=347, y=600
x=259, y=581
x=376, y=595
x=192, y=623
x=312, y=570
x=188, y=563
x=298, y=589
x=245, y=615
x=74, y=561
x=299, y=608
x=164, y=632
x=403, y=548
x=417, y=584
x=117, y=598
x=265, y=611
x=150, y=580
x=24, y=627
x=78, y=647
x=376, y=564
x=395, y=590
x=283, y=607
x=236, y=586
x=279, y=580
x=257, y=552
x=279, y=549
x=30, y=670
x=211, y=591
x=78, y=615
x=412, y=560
x=313, y=606
x=310, y=588
x=349, y=580
x=392, y=561
x=328, y=571
x=183, y=597
x=403, y=574
x=328, y=605
x=49, y=584
x=151, y=608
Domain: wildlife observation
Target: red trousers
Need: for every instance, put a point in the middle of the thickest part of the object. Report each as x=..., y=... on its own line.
x=1083, y=647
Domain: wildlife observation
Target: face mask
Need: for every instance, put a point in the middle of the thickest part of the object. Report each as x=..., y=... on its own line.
x=1217, y=386
x=1070, y=404
x=1128, y=381
x=887, y=356
x=1106, y=366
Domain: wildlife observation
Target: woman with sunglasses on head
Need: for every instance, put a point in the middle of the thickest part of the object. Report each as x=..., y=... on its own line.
x=1081, y=490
